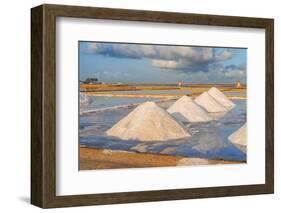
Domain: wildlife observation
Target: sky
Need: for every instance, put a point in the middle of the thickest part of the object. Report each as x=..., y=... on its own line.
x=151, y=63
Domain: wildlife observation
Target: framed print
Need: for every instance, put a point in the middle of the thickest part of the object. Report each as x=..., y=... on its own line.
x=137, y=106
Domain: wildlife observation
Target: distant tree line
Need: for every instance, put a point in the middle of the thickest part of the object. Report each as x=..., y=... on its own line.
x=90, y=81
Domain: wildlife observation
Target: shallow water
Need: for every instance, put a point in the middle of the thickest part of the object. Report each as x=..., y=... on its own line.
x=99, y=102
x=208, y=140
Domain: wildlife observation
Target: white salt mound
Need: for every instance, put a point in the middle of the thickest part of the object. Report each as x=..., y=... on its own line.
x=239, y=138
x=221, y=98
x=148, y=122
x=210, y=104
x=186, y=110
x=192, y=161
x=140, y=147
x=84, y=100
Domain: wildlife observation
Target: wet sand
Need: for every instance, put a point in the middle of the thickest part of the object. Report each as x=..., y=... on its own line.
x=92, y=158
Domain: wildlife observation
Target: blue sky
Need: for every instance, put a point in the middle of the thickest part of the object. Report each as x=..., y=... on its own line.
x=145, y=63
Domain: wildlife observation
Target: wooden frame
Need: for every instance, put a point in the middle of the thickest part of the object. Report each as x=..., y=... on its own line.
x=43, y=105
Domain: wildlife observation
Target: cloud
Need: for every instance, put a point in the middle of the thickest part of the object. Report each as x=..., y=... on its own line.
x=165, y=57
x=226, y=54
x=169, y=64
x=202, y=62
x=235, y=71
x=152, y=51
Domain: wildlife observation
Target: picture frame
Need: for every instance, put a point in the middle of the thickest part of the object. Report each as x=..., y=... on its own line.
x=43, y=105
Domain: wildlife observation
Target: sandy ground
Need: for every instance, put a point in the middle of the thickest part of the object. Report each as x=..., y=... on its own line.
x=92, y=158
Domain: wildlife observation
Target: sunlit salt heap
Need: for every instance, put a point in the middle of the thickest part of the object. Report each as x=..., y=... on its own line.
x=84, y=100
x=185, y=109
x=221, y=98
x=209, y=103
x=214, y=101
x=148, y=122
x=239, y=138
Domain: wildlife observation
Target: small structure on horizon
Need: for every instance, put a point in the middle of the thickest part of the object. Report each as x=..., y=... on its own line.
x=180, y=84
x=238, y=84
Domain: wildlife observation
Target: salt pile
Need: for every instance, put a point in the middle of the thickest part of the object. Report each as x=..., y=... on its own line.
x=186, y=110
x=148, y=122
x=239, y=138
x=84, y=100
x=209, y=103
x=221, y=98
